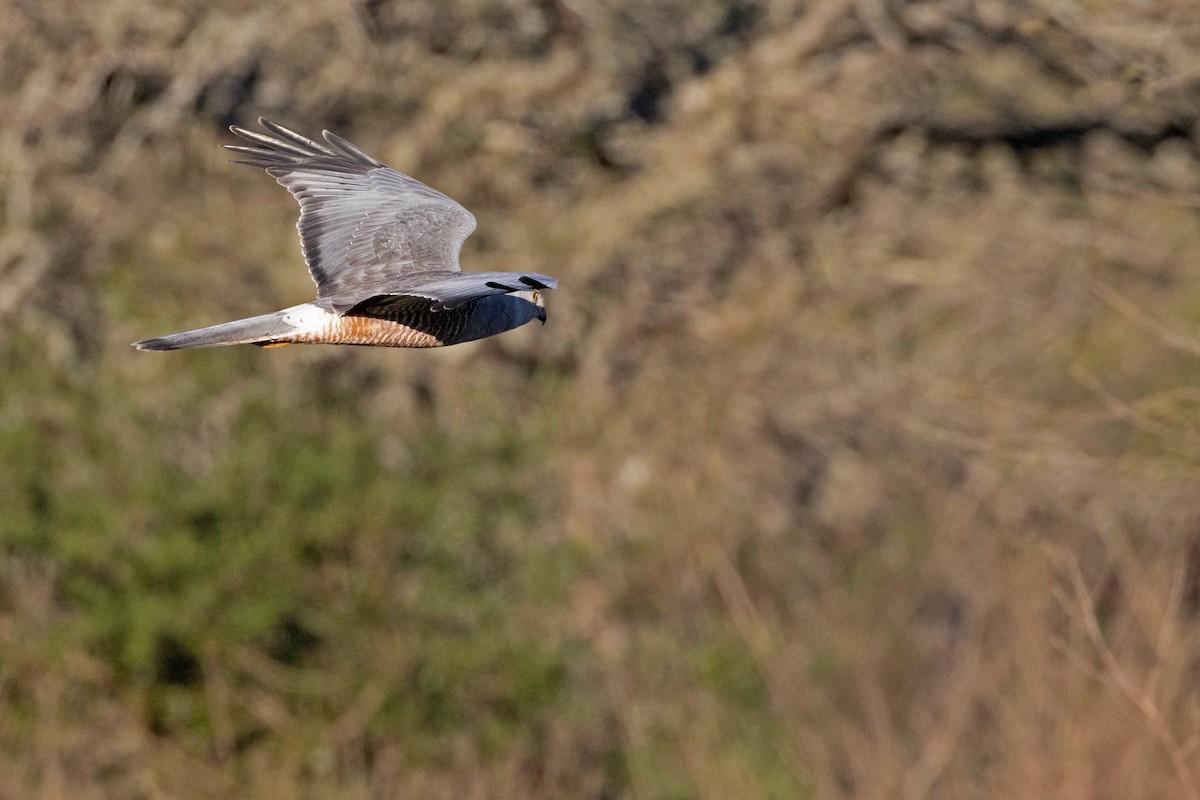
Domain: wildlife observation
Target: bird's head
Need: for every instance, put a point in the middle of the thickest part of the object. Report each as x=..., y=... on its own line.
x=537, y=298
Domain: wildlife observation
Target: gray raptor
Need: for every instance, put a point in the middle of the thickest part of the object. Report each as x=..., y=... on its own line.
x=383, y=249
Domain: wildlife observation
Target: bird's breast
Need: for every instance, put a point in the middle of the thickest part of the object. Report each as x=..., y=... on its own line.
x=399, y=329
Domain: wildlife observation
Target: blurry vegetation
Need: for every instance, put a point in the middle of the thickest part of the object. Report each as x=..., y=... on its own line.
x=858, y=458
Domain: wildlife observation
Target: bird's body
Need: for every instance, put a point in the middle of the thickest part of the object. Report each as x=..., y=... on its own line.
x=383, y=250
x=412, y=325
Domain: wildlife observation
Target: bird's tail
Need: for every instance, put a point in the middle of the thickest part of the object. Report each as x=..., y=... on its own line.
x=265, y=330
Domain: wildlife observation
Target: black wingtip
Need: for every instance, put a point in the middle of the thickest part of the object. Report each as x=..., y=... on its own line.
x=155, y=344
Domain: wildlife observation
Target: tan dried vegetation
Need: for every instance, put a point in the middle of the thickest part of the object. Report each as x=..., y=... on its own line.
x=858, y=457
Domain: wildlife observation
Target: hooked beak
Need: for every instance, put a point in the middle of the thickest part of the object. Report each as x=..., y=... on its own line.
x=540, y=313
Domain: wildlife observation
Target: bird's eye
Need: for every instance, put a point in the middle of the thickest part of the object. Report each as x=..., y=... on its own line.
x=536, y=295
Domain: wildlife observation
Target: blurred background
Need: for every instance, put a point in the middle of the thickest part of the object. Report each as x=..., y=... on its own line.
x=858, y=458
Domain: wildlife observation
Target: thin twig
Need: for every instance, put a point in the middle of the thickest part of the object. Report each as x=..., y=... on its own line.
x=1126, y=308
x=1142, y=702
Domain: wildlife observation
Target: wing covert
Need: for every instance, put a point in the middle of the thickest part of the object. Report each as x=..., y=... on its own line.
x=451, y=290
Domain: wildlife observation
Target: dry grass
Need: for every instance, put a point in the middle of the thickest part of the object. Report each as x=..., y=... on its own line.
x=859, y=457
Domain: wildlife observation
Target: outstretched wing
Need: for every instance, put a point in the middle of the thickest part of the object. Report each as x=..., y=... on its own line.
x=451, y=290
x=364, y=227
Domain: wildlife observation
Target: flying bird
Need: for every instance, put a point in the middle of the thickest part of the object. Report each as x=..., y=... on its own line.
x=383, y=250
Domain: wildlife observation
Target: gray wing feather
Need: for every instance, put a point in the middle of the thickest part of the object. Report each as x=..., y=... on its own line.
x=449, y=290
x=363, y=226
x=455, y=289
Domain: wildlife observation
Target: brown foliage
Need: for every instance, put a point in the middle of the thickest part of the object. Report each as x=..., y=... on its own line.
x=866, y=401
